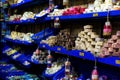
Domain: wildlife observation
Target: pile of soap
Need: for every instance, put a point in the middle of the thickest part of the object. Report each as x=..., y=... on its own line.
x=20, y=36
x=56, y=12
x=99, y=6
x=65, y=39
x=50, y=40
x=75, y=10
x=112, y=46
x=15, y=17
x=25, y=16
x=88, y=40
x=39, y=56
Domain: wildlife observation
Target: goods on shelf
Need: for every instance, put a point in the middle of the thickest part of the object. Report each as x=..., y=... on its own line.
x=112, y=46
x=20, y=36
x=65, y=39
x=75, y=10
x=50, y=40
x=10, y=72
x=100, y=6
x=55, y=67
x=56, y=12
x=69, y=73
x=15, y=17
x=27, y=15
x=88, y=40
x=117, y=6
x=39, y=56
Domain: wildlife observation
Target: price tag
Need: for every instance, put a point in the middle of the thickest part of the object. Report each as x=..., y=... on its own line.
x=11, y=52
x=95, y=14
x=58, y=49
x=81, y=54
x=117, y=61
x=43, y=46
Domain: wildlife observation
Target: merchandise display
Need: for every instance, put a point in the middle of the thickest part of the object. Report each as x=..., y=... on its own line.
x=60, y=40
x=112, y=46
x=10, y=72
x=50, y=40
x=39, y=56
x=89, y=40
x=65, y=39
x=25, y=16
x=100, y=6
x=75, y=10
x=55, y=67
x=20, y=36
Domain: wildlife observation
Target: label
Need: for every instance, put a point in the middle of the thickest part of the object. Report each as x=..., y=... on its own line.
x=43, y=46
x=58, y=49
x=81, y=54
x=11, y=52
x=95, y=14
x=117, y=61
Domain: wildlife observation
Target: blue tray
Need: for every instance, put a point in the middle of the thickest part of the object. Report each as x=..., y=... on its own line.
x=86, y=16
x=19, y=4
x=18, y=41
x=28, y=21
x=43, y=34
x=51, y=76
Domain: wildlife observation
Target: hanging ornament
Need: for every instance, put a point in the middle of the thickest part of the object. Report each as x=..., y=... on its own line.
x=51, y=5
x=57, y=23
x=94, y=75
x=107, y=27
x=67, y=69
x=49, y=60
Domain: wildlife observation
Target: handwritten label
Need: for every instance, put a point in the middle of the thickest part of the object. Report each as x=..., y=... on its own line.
x=58, y=49
x=81, y=54
x=117, y=61
x=95, y=14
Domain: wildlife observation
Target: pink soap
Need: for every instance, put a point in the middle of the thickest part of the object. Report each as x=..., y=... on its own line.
x=118, y=33
x=114, y=37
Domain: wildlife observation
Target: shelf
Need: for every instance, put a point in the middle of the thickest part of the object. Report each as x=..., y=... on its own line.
x=20, y=4
x=27, y=3
x=85, y=16
x=98, y=15
x=16, y=56
x=114, y=61
x=29, y=21
x=18, y=41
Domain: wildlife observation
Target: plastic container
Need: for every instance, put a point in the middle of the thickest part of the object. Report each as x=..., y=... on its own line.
x=51, y=76
x=43, y=34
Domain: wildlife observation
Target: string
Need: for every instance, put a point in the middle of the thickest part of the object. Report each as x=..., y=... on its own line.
x=108, y=15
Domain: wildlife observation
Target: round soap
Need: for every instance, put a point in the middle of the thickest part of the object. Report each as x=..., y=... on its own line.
x=106, y=45
x=114, y=37
x=118, y=33
x=118, y=41
x=88, y=26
